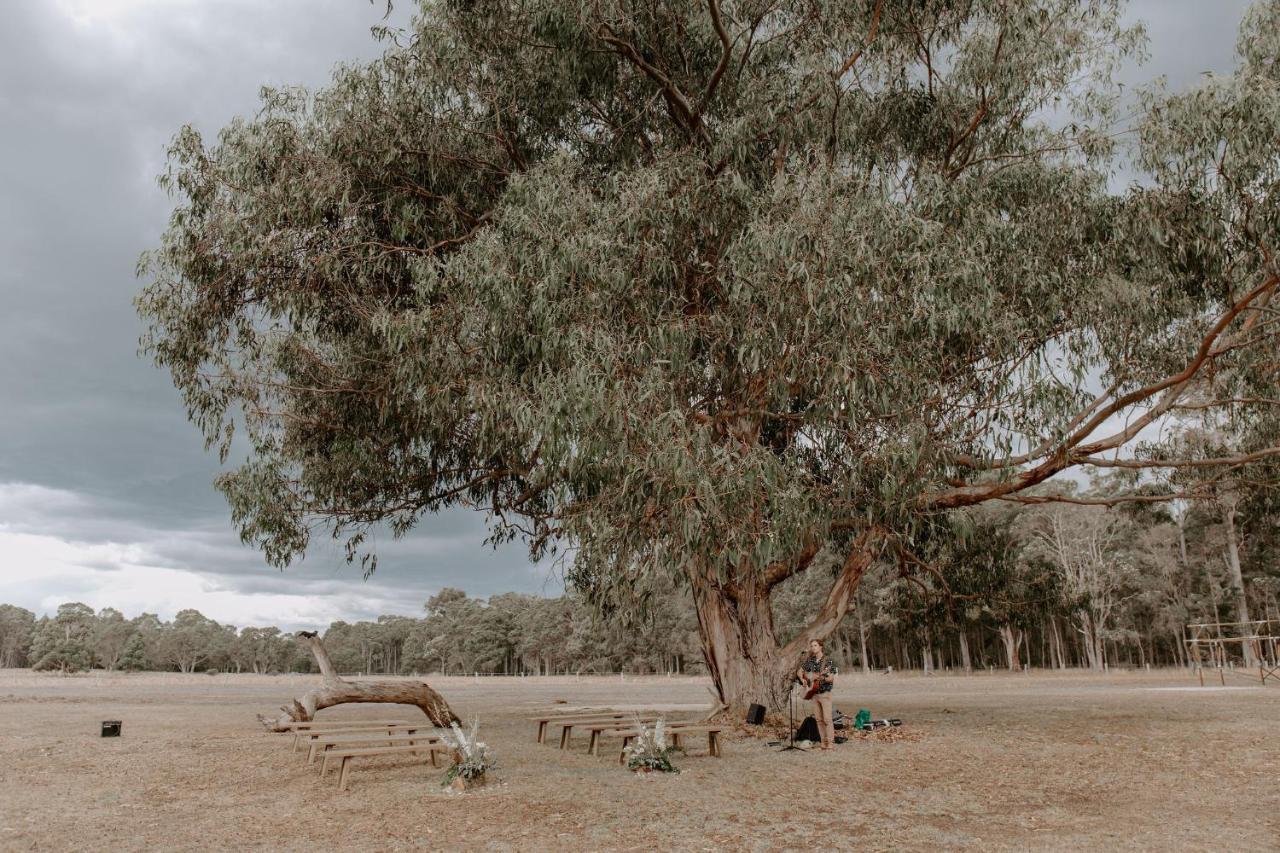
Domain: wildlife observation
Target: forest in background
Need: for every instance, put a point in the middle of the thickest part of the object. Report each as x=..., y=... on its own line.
x=1053, y=586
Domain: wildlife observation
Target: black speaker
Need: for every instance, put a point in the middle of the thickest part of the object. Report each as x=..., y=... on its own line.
x=808, y=730
x=111, y=728
x=755, y=715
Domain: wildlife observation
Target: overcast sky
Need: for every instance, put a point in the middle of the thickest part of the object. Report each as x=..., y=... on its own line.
x=105, y=492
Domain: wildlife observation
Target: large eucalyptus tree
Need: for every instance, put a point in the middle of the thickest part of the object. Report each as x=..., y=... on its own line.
x=696, y=293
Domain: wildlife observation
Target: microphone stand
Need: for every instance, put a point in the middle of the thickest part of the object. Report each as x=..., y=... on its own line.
x=791, y=719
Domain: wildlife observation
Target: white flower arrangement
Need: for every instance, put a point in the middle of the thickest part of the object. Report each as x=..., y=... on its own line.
x=649, y=751
x=472, y=758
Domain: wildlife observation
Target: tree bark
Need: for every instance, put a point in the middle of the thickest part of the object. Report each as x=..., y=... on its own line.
x=336, y=690
x=1237, y=581
x=1055, y=645
x=1091, y=635
x=1011, y=637
x=965, y=660
x=741, y=650
x=743, y=656
x=862, y=640
x=926, y=654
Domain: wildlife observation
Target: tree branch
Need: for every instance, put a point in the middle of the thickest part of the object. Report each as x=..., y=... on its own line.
x=1112, y=501
x=862, y=552
x=1241, y=459
x=675, y=98
x=1071, y=452
x=777, y=572
x=726, y=52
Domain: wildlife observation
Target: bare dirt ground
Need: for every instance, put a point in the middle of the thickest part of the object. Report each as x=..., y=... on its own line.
x=992, y=762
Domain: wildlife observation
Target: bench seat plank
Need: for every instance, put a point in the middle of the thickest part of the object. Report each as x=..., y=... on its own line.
x=340, y=750
x=544, y=721
x=346, y=755
x=598, y=730
x=566, y=726
x=322, y=745
x=389, y=728
x=712, y=732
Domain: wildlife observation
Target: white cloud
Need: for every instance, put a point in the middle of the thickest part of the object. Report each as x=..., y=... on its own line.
x=58, y=545
x=40, y=572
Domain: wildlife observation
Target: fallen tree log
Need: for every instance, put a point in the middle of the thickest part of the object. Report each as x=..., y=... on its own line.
x=336, y=690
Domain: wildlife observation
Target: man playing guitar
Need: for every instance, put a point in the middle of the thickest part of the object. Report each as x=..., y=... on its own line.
x=818, y=674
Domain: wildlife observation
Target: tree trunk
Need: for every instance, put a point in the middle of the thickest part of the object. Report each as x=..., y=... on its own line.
x=744, y=659
x=965, y=660
x=1088, y=639
x=862, y=640
x=338, y=691
x=926, y=655
x=743, y=656
x=1009, y=636
x=1237, y=582
x=1055, y=643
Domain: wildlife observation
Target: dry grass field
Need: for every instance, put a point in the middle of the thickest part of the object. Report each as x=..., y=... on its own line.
x=990, y=762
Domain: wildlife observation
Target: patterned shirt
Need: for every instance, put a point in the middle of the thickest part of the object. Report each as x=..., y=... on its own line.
x=822, y=667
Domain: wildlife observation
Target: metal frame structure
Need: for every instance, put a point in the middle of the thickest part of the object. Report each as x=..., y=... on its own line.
x=1217, y=640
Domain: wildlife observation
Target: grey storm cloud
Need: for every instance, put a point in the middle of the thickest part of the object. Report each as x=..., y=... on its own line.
x=95, y=449
x=105, y=489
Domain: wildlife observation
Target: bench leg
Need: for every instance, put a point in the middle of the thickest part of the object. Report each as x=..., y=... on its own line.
x=713, y=744
x=622, y=754
x=542, y=731
x=295, y=741
x=342, y=773
x=675, y=739
x=564, y=736
x=593, y=746
x=433, y=759
x=324, y=765
x=311, y=754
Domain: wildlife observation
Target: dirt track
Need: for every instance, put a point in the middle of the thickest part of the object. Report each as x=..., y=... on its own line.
x=1005, y=762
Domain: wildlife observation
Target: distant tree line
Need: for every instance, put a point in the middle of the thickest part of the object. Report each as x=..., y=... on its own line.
x=1060, y=585
x=506, y=634
x=1052, y=586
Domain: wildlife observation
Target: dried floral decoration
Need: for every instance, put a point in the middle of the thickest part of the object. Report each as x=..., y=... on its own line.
x=649, y=751
x=472, y=758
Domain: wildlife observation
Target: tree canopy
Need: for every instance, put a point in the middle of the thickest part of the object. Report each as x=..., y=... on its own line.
x=710, y=290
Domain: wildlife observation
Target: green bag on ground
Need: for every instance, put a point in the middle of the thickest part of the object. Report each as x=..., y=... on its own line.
x=862, y=720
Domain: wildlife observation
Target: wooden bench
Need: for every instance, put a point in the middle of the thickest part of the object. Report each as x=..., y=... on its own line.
x=628, y=721
x=601, y=728
x=712, y=732
x=345, y=756
x=389, y=728
x=421, y=742
x=324, y=743
x=581, y=715
x=299, y=729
